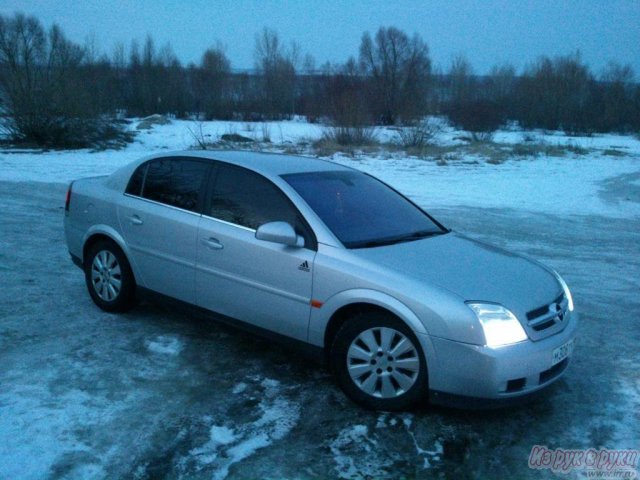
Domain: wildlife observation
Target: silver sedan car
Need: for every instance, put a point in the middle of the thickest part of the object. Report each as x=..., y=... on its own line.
x=333, y=260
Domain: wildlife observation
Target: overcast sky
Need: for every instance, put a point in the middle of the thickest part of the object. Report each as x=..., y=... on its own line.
x=487, y=32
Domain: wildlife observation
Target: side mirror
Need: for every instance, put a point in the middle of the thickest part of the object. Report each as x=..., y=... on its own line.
x=279, y=232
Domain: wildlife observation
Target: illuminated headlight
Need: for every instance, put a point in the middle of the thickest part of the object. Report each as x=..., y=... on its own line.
x=501, y=327
x=567, y=293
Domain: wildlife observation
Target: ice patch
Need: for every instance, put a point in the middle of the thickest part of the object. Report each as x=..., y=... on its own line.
x=382, y=421
x=278, y=416
x=627, y=428
x=270, y=383
x=428, y=455
x=37, y=432
x=241, y=451
x=222, y=435
x=218, y=436
x=165, y=345
x=239, y=388
x=355, y=459
x=362, y=454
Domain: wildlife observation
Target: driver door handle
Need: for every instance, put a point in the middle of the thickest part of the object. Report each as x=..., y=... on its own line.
x=135, y=220
x=212, y=243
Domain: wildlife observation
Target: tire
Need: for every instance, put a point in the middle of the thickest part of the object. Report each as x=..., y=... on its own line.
x=378, y=362
x=109, y=277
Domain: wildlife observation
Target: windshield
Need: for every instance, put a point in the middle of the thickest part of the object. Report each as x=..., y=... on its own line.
x=360, y=210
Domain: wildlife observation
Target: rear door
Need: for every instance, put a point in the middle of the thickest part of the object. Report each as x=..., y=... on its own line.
x=159, y=218
x=262, y=283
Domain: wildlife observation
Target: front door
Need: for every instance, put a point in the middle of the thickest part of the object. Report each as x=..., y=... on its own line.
x=263, y=283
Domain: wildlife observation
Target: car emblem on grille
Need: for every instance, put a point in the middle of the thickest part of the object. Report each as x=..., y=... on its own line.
x=557, y=309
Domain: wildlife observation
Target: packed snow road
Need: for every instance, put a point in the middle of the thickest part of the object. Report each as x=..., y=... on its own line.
x=162, y=393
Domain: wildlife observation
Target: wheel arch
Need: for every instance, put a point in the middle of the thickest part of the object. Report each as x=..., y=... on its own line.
x=342, y=315
x=345, y=305
x=104, y=232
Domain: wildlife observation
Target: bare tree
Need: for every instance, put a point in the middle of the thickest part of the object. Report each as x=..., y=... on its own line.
x=36, y=78
x=49, y=96
x=350, y=119
x=23, y=47
x=502, y=83
x=617, y=97
x=276, y=65
x=461, y=80
x=555, y=93
x=399, y=69
x=118, y=59
x=212, y=83
x=309, y=64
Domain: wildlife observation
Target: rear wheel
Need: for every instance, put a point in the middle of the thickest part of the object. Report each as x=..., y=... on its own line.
x=109, y=278
x=378, y=362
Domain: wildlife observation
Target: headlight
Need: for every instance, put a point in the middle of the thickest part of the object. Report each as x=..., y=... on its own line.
x=501, y=327
x=567, y=293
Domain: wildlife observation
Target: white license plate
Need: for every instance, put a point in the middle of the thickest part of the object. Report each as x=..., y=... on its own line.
x=562, y=352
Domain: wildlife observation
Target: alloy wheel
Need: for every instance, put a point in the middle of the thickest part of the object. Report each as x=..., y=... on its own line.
x=383, y=362
x=106, y=275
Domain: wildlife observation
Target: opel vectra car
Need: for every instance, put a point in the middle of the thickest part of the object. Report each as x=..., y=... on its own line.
x=333, y=259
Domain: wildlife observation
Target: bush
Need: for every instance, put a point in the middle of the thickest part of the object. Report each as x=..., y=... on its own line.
x=480, y=117
x=68, y=132
x=419, y=134
x=350, y=136
x=45, y=96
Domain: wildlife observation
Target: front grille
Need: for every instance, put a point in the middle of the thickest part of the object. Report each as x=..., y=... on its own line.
x=548, y=315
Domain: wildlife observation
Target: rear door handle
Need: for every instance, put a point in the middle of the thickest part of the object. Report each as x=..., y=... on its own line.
x=135, y=220
x=212, y=243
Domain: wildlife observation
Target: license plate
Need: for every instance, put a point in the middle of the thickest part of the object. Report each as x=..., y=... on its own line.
x=562, y=352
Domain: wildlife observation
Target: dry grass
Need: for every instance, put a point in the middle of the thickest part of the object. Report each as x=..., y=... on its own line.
x=493, y=153
x=613, y=152
x=472, y=152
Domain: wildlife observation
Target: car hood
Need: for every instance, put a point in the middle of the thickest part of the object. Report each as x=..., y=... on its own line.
x=471, y=269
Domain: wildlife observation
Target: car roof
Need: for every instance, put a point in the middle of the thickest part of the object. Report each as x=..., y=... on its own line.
x=265, y=163
x=268, y=164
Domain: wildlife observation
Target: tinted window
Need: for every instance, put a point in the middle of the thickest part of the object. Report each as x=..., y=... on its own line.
x=135, y=183
x=360, y=210
x=245, y=198
x=175, y=182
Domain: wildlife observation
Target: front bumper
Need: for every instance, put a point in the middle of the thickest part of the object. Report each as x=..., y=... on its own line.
x=495, y=375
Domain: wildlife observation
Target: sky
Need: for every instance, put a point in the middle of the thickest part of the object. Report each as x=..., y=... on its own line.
x=487, y=32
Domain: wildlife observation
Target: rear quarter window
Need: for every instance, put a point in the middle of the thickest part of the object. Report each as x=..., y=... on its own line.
x=134, y=187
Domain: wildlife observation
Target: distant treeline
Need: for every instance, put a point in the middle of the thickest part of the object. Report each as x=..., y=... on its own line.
x=54, y=92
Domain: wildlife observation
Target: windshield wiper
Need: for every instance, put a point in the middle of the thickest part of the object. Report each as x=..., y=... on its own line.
x=417, y=235
x=420, y=234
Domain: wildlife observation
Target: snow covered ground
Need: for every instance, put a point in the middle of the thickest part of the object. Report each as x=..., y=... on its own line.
x=160, y=393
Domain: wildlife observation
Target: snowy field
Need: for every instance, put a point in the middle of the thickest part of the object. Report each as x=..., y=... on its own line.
x=159, y=393
x=570, y=184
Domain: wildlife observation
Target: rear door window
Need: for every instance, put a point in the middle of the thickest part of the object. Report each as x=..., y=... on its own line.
x=175, y=181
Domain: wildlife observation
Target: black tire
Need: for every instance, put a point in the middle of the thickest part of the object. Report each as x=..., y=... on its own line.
x=113, y=287
x=371, y=324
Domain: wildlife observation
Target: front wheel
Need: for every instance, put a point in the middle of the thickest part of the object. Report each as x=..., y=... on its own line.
x=109, y=278
x=378, y=362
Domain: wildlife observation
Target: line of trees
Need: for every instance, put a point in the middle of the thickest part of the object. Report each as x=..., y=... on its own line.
x=54, y=92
